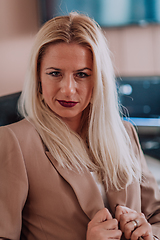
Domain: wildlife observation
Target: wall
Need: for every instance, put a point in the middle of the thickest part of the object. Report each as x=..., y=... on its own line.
x=136, y=50
x=19, y=22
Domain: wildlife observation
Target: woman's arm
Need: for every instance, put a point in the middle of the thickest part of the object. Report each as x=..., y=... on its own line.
x=13, y=185
x=150, y=194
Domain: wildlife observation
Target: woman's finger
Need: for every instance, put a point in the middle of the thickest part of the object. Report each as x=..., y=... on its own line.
x=122, y=210
x=144, y=230
x=103, y=226
x=134, y=225
x=102, y=216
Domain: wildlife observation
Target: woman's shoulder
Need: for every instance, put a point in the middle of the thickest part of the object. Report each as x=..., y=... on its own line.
x=21, y=130
x=131, y=130
x=128, y=125
x=133, y=135
x=20, y=127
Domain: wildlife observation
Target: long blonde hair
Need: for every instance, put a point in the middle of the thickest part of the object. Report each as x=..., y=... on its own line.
x=103, y=144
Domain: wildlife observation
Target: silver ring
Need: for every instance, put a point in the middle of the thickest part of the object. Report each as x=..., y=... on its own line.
x=135, y=223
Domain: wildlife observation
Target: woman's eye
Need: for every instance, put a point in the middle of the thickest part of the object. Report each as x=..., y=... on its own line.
x=54, y=74
x=82, y=75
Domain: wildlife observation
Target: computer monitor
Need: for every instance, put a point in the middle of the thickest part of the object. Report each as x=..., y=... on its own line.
x=140, y=97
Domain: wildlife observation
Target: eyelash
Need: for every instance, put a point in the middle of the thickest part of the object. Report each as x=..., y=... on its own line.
x=82, y=75
x=77, y=75
x=54, y=74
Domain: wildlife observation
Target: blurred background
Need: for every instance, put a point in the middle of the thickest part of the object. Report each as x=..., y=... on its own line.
x=132, y=28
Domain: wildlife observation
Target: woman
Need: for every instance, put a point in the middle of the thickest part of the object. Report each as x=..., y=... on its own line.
x=72, y=169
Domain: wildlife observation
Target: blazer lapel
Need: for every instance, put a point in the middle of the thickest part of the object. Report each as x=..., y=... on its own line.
x=84, y=187
x=116, y=198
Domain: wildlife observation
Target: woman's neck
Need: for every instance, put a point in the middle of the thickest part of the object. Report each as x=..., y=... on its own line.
x=73, y=123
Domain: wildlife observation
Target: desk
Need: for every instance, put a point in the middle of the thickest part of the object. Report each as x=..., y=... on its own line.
x=154, y=166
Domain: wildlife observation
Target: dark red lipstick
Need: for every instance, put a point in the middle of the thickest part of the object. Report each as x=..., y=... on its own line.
x=68, y=104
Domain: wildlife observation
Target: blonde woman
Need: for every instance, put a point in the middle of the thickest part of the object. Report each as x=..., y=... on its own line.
x=72, y=169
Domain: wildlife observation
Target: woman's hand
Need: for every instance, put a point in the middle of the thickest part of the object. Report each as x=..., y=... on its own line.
x=133, y=224
x=103, y=227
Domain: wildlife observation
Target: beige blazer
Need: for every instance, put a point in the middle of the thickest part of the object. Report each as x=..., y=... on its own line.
x=40, y=200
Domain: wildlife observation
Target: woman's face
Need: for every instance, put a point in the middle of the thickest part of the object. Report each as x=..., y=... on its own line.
x=66, y=76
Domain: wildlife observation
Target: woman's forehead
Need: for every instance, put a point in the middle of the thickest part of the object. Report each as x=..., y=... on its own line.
x=68, y=54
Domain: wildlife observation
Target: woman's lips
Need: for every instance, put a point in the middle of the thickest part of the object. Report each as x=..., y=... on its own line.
x=68, y=104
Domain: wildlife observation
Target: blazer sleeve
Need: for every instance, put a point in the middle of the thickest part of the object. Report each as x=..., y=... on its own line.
x=150, y=193
x=13, y=185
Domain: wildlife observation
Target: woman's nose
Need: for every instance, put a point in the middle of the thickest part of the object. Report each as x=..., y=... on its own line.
x=68, y=85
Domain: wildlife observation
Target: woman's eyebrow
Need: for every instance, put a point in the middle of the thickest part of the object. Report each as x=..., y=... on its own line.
x=58, y=69
x=86, y=68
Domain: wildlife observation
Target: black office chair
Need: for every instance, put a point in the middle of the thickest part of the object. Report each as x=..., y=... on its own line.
x=8, y=109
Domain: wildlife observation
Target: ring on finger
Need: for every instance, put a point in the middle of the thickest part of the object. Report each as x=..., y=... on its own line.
x=135, y=223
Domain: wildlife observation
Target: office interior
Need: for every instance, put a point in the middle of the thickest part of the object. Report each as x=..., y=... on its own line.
x=132, y=28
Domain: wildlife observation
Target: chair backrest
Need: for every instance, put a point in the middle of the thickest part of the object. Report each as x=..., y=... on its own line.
x=8, y=109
